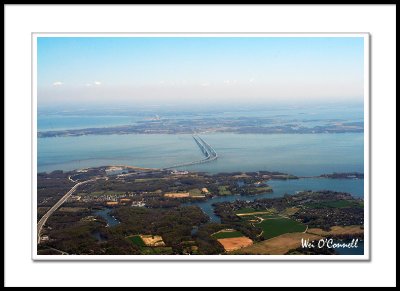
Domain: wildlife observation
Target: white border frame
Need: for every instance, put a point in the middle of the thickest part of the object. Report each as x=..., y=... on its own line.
x=367, y=140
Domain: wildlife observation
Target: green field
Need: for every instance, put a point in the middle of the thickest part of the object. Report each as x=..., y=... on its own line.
x=251, y=210
x=268, y=216
x=146, y=180
x=249, y=217
x=223, y=190
x=195, y=192
x=261, y=189
x=245, y=210
x=136, y=240
x=275, y=227
x=336, y=204
x=227, y=234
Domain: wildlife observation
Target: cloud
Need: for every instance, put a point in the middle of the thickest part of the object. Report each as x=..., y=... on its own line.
x=57, y=83
x=94, y=83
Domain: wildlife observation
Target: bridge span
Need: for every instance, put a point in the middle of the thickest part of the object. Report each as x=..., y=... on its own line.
x=208, y=151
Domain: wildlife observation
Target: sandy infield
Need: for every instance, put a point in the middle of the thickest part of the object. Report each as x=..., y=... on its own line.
x=177, y=195
x=152, y=241
x=235, y=243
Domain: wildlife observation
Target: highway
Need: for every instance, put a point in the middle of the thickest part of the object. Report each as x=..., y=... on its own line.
x=44, y=218
x=209, y=155
x=208, y=151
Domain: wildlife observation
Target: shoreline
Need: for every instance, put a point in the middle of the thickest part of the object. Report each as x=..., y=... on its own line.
x=293, y=177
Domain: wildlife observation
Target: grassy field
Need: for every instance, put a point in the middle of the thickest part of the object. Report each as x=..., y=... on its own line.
x=275, y=227
x=290, y=211
x=262, y=189
x=136, y=240
x=226, y=234
x=269, y=216
x=279, y=245
x=245, y=210
x=147, y=180
x=195, y=192
x=223, y=190
x=338, y=230
x=252, y=212
x=250, y=218
x=336, y=204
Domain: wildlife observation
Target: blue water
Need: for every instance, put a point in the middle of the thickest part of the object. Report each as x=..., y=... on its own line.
x=298, y=154
x=105, y=213
x=353, y=186
x=68, y=153
x=350, y=251
x=50, y=122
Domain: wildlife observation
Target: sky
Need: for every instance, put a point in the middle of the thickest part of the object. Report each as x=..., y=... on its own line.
x=198, y=70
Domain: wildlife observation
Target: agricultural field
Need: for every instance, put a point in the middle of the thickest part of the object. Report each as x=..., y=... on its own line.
x=150, y=245
x=231, y=239
x=136, y=240
x=146, y=240
x=252, y=212
x=276, y=226
x=235, y=243
x=196, y=193
x=271, y=223
x=152, y=240
x=279, y=245
x=245, y=210
x=338, y=230
x=290, y=211
x=177, y=195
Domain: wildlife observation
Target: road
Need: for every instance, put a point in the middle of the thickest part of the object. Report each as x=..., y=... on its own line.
x=44, y=218
x=208, y=151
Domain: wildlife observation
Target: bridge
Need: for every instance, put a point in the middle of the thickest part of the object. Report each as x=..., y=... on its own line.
x=208, y=151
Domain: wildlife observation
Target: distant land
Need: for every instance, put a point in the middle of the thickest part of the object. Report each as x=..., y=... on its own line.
x=241, y=125
x=353, y=175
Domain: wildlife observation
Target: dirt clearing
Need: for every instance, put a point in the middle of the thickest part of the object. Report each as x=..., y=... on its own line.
x=235, y=243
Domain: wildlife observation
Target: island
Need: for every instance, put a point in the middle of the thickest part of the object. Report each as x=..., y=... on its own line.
x=241, y=125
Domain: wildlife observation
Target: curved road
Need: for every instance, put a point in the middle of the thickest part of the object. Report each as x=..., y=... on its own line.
x=44, y=218
x=208, y=151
